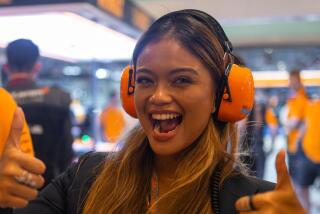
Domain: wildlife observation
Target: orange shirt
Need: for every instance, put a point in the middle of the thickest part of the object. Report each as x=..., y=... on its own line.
x=296, y=110
x=271, y=118
x=7, y=109
x=113, y=123
x=311, y=140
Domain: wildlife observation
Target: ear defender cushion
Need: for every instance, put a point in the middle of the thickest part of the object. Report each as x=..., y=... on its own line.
x=241, y=87
x=127, y=91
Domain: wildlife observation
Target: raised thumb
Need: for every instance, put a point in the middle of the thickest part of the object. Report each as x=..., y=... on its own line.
x=283, y=177
x=16, y=129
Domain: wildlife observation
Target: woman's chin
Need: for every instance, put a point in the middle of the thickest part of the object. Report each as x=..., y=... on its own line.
x=161, y=148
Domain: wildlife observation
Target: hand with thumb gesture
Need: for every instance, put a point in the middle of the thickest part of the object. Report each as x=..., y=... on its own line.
x=19, y=172
x=16, y=130
x=281, y=200
x=283, y=177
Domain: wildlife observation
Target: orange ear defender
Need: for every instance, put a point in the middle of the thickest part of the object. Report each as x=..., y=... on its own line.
x=235, y=96
x=234, y=99
x=127, y=91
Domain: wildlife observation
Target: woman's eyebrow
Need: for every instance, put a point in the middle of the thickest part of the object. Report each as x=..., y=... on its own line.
x=143, y=70
x=171, y=72
x=184, y=70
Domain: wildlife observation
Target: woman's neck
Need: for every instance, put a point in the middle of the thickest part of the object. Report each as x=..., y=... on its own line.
x=165, y=167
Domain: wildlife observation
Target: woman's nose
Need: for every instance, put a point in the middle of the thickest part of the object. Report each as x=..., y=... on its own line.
x=161, y=95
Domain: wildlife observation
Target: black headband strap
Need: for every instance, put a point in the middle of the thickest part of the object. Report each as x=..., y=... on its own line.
x=212, y=22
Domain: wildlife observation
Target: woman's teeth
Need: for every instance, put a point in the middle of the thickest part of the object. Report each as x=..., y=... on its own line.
x=164, y=116
x=164, y=123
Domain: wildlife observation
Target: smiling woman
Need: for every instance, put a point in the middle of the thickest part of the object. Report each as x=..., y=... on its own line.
x=182, y=157
x=176, y=89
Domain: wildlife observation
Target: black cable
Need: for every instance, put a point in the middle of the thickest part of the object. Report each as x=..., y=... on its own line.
x=215, y=189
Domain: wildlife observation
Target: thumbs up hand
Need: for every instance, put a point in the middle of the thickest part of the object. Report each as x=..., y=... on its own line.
x=281, y=200
x=20, y=173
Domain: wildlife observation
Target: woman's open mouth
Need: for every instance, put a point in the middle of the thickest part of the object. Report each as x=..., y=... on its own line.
x=165, y=125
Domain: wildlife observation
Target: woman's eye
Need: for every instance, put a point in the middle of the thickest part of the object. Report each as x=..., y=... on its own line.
x=182, y=80
x=143, y=80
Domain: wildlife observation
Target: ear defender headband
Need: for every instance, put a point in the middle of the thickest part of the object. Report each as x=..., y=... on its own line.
x=235, y=92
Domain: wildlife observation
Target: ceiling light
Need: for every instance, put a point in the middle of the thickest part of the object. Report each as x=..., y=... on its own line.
x=102, y=73
x=67, y=36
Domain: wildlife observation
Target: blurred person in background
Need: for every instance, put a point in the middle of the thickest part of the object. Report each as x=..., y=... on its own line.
x=251, y=139
x=112, y=119
x=46, y=108
x=296, y=106
x=272, y=121
x=308, y=160
x=256, y=125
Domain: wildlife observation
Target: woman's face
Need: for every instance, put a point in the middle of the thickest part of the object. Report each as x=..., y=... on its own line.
x=174, y=96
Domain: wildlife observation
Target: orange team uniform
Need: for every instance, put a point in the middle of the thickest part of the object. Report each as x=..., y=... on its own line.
x=296, y=109
x=7, y=109
x=113, y=123
x=271, y=118
x=311, y=139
